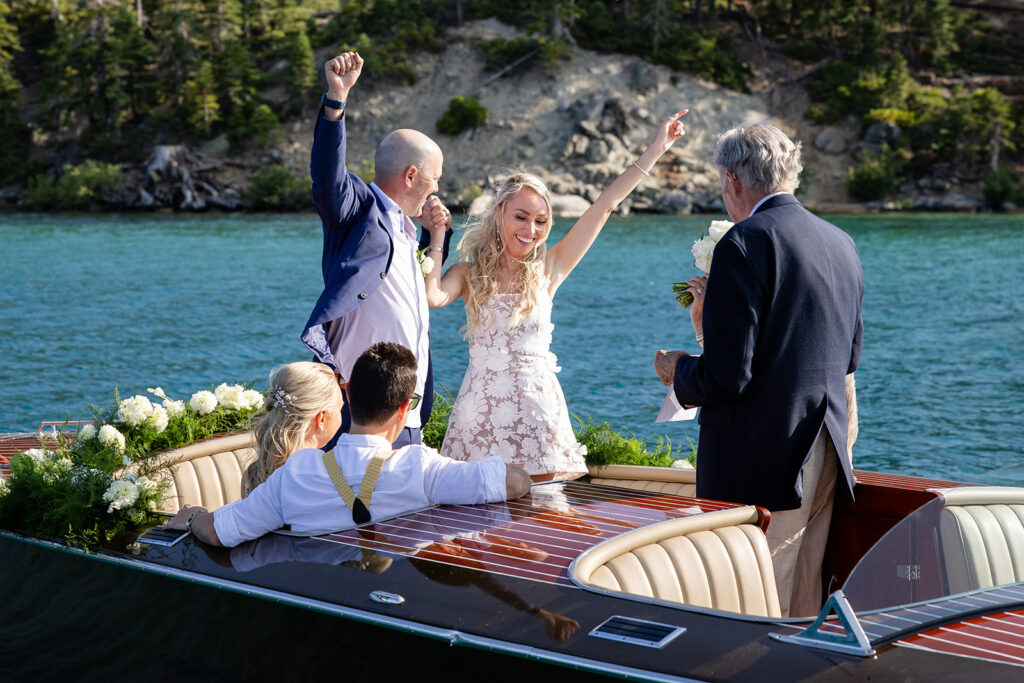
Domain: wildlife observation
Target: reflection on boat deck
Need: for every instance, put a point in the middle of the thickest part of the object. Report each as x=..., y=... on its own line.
x=536, y=537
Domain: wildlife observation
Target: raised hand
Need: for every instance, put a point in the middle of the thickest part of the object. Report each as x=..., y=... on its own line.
x=436, y=218
x=342, y=72
x=670, y=130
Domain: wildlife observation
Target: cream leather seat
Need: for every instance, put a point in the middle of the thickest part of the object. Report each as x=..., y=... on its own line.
x=208, y=473
x=981, y=530
x=671, y=480
x=716, y=559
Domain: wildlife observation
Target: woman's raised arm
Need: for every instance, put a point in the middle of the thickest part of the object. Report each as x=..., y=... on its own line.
x=564, y=256
x=441, y=290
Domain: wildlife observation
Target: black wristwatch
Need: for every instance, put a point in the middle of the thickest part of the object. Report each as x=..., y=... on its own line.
x=333, y=104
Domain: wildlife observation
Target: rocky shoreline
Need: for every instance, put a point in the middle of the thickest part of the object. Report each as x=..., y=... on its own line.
x=577, y=127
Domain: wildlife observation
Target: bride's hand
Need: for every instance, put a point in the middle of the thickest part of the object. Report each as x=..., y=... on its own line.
x=698, y=288
x=670, y=130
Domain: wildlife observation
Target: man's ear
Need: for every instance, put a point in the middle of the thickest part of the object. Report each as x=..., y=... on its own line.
x=410, y=175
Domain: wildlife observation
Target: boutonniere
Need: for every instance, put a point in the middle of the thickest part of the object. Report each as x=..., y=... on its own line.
x=426, y=263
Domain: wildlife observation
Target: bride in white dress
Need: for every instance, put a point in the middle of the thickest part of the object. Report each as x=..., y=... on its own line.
x=510, y=402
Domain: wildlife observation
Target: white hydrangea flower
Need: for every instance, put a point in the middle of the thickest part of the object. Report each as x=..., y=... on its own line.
x=203, y=402
x=87, y=433
x=134, y=410
x=37, y=454
x=231, y=396
x=158, y=392
x=109, y=436
x=121, y=494
x=158, y=418
x=174, y=408
x=253, y=398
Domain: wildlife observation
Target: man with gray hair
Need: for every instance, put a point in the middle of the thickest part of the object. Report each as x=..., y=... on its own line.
x=373, y=285
x=780, y=320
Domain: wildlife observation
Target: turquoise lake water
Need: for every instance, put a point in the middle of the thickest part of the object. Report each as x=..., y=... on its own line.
x=90, y=302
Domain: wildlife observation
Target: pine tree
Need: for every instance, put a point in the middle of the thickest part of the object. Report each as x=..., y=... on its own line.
x=199, y=100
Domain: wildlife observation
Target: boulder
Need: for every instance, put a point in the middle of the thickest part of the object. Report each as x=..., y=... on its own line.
x=597, y=151
x=568, y=205
x=882, y=132
x=481, y=203
x=830, y=141
x=218, y=147
x=643, y=77
x=10, y=193
x=674, y=202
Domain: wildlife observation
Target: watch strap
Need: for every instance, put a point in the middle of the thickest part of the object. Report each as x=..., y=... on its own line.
x=333, y=104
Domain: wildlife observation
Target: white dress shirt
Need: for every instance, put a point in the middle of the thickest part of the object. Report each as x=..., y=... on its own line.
x=396, y=312
x=300, y=493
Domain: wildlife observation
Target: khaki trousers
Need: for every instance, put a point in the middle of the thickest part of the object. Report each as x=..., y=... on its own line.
x=796, y=538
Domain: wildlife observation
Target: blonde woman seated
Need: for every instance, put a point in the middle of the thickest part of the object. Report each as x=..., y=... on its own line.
x=303, y=410
x=510, y=401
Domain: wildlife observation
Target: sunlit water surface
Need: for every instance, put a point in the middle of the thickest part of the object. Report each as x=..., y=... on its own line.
x=90, y=302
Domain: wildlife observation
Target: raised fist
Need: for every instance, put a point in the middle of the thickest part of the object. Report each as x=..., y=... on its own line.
x=342, y=72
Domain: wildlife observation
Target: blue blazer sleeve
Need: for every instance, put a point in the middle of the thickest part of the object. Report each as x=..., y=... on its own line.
x=334, y=194
x=734, y=301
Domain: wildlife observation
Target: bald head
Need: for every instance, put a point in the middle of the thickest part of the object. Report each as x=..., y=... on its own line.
x=401, y=149
x=408, y=168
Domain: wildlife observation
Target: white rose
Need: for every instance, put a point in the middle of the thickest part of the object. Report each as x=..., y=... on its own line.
x=134, y=410
x=87, y=433
x=158, y=418
x=427, y=266
x=203, y=402
x=121, y=494
x=174, y=408
x=231, y=396
x=702, y=250
x=718, y=229
x=145, y=484
x=109, y=436
x=253, y=398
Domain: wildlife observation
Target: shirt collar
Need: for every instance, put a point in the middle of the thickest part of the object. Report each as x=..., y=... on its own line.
x=399, y=221
x=378, y=442
x=763, y=200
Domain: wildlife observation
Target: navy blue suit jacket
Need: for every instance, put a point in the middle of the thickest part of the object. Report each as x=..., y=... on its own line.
x=782, y=329
x=358, y=247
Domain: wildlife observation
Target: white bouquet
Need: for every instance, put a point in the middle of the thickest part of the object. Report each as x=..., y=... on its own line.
x=703, y=250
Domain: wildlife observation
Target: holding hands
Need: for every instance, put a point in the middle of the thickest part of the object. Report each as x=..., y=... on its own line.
x=436, y=218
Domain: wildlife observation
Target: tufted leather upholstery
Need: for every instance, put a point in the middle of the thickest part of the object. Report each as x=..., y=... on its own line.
x=672, y=480
x=982, y=535
x=716, y=559
x=208, y=473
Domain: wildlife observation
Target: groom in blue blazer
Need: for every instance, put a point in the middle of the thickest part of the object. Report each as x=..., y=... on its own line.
x=373, y=287
x=782, y=329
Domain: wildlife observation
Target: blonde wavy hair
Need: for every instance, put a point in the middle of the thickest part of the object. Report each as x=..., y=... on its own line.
x=481, y=246
x=298, y=391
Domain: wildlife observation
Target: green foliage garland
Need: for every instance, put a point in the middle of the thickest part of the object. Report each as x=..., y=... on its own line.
x=97, y=487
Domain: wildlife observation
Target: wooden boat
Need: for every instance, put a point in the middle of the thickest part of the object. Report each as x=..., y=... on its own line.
x=627, y=576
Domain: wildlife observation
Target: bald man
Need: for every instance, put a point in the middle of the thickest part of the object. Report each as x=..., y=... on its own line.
x=373, y=285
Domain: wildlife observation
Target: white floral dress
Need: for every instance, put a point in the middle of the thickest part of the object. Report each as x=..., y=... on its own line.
x=510, y=403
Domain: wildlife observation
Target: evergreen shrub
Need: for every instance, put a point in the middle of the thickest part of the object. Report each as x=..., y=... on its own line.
x=1001, y=186
x=276, y=187
x=77, y=187
x=463, y=113
x=875, y=178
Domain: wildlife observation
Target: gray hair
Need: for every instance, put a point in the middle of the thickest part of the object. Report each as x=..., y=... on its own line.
x=401, y=149
x=761, y=156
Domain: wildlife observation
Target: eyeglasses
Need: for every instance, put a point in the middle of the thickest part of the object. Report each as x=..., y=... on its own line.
x=414, y=401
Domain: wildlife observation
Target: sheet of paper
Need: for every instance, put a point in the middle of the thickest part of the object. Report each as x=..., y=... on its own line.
x=671, y=411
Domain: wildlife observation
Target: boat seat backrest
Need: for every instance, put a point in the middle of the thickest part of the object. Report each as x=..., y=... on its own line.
x=716, y=559
x=670, y=480
x=981, y=531
x=208, y=473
